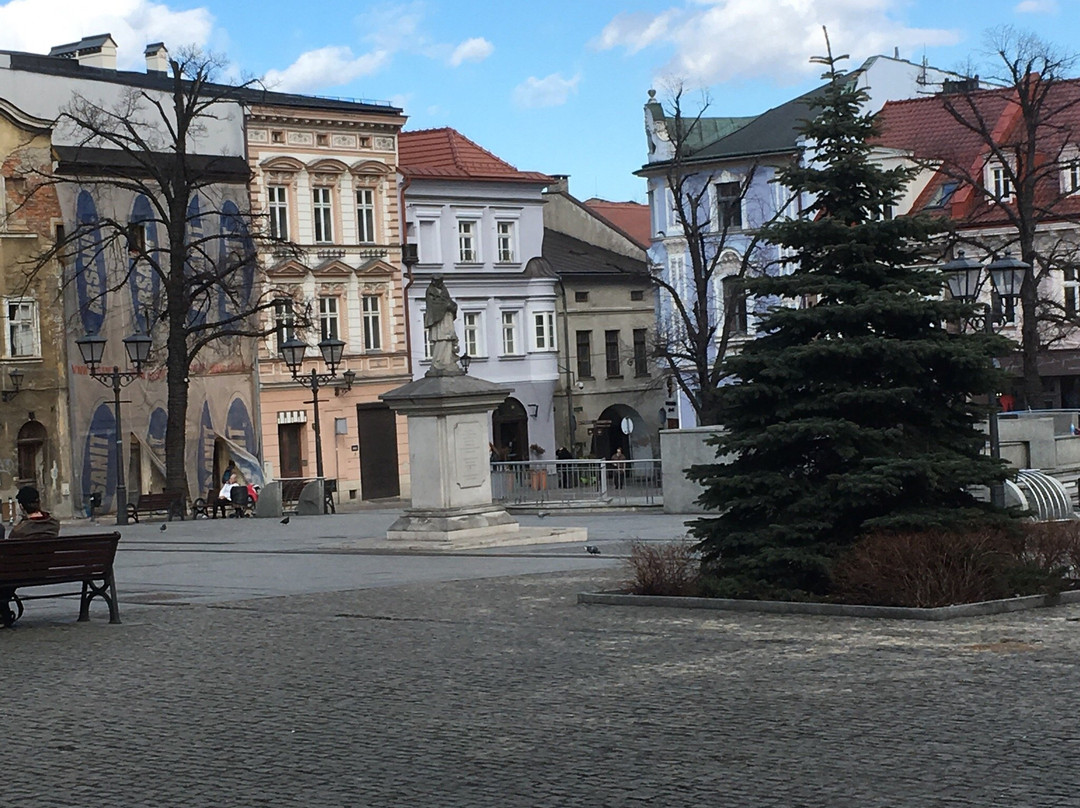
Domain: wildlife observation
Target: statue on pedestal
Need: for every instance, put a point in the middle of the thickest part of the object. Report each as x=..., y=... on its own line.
x=439, y=314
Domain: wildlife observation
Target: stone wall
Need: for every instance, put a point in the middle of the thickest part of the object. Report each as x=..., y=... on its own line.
x=680, y=449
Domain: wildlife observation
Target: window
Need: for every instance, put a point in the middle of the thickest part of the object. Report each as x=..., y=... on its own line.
x=637, y=294
x=1000, y=184
x=467, y=252
x=509, y=332
x=22, y=328
x=641, y=352
x=545, y=331
x=277, y=137
x=729, y=205
x=279, y=211
x=505, y=233
x=581, y=297
x=735, y=305
x=677, y=276
x=365, y=216
x=584, y=354
x=136, y=239
x=943, y=195
x=1071, y=291
x=611, y=353
x=328, y=318
x=1070, y=176
x=373, y=325
x=1005, y=308
x=284, y=320
x=428, y=250
x=470, y=324
x=322, y=140
x=323, y=212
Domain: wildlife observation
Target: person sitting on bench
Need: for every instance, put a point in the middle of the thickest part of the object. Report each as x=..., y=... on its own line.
x=36, y=523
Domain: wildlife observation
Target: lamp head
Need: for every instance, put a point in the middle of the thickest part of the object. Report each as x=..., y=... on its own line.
x=1007, y=274
x=292, y=352
x=465, y=360
x=332, y=349
x=963, y=275
x=92, y=348
x=138, y=349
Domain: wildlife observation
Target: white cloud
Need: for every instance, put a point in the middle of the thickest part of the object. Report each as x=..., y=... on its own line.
x=550, y=91
x=1036, y=7
x=37, y=25
x=721, y=40
x=476, y=49
x=325, y=67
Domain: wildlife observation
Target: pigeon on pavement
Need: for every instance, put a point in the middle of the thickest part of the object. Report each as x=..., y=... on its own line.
x=163, y=527
x=285, y=521
x=592, y=549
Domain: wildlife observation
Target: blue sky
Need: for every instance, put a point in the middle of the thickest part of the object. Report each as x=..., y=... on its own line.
x=554, y=86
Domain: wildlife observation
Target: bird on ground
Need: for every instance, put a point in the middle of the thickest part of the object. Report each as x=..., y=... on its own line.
x=163, y=527
x=541, y=514
x=285, y=521
x=592, y=549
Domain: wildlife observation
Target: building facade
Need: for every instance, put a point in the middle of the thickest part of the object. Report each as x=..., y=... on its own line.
x=478, y=222
x=323, y=177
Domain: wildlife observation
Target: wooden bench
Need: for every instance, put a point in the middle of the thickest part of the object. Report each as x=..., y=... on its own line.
x=156, y=503
x=209, y=505
x=77, y=559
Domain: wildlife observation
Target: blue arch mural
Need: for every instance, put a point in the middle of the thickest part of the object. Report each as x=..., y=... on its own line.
x=144, y=283
x=235, y=242
x=206, y=450
x=99, y=456
x=90, y=278
x=200, y=305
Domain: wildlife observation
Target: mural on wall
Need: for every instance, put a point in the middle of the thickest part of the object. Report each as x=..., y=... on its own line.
x=90, y=278
x=236, y=244
x=221, y=385
x=99, y=456
x=144, y=283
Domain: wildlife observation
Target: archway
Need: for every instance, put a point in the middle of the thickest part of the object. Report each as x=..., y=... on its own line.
x=611, y=433
x=31, y=450
x=510, y=430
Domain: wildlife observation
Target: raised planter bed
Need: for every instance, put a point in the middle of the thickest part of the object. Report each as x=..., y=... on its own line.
x=833, y=609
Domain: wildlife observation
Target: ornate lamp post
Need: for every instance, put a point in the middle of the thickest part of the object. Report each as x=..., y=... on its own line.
x=92, y=348
x=16, y=377
x=964, y=277
x=292, y=352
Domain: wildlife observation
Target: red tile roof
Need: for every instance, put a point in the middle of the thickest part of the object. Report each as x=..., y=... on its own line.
x=630, y=217
x=929, y=129
x=447, y=154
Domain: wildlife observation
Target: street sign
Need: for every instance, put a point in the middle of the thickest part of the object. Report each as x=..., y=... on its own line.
x=627, y=426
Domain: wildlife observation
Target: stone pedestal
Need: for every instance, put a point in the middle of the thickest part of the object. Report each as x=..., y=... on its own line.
x=449, y=463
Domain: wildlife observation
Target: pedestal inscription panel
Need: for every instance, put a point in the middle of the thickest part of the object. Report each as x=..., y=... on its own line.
x=471, y=455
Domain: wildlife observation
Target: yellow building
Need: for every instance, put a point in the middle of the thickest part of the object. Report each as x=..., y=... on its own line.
x=323, y=176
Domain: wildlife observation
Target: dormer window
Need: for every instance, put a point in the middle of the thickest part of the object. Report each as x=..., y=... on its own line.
x=943, y=195
x=1000, y=185
x=1070, y=176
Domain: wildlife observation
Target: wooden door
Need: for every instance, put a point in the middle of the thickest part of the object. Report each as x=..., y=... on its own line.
x=377, y=431
x=289, y=456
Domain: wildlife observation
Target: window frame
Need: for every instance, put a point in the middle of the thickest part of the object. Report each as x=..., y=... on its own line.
x=733, y=292
x=729, y=208
x=472, y=332
x=329, y=317
x=278, y=211
x=641, y=352
x=583, y=338
x=322, y=209
x=1070, y=286
x=507, y=255
x=371, y=314
x=511, y=329
x=1000, y=181
x=612, y=359
x=284, y=320
x=34, y=329
x=365, y=216
x=544, y=331
x=471, y=254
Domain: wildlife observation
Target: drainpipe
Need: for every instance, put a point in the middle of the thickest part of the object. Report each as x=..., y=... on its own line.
x=570, y=426
x=405, y=183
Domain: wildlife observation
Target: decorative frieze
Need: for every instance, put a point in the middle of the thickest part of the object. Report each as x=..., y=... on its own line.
x=258, y=136
x=384, y=143
x=343, y=141
x=301, y=138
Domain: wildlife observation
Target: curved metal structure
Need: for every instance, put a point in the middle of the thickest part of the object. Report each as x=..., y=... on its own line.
x=1044, y=496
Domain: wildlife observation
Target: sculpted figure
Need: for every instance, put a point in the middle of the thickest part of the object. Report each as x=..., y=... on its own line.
x=439, y=314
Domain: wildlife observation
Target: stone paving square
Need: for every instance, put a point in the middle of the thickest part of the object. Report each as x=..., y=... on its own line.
x=505, y=692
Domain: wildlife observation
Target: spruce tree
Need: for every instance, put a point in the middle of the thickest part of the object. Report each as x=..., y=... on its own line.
x=856, y=405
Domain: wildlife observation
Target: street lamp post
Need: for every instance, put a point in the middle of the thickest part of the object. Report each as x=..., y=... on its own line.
x=92, y=348
x=964, y=277
x=292, y=351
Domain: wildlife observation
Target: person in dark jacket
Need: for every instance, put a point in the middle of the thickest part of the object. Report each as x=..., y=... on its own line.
x=36, y=523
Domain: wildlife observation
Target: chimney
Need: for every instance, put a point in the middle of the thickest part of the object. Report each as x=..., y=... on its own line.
x=157, y=58
x=92, y=51
x=561, y=184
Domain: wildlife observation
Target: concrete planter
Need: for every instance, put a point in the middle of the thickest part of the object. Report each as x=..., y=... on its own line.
x=833, y=609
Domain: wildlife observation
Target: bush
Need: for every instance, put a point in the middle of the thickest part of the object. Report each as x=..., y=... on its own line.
x=940, y=568
x=664, y=569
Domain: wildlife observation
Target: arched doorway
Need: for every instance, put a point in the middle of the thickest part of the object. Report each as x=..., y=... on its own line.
x=610, y=433
x=510, y=430
x=31, y=449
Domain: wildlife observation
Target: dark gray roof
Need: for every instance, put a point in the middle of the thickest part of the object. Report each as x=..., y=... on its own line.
x=571, y=257
x=61, y=66
x=87, y=161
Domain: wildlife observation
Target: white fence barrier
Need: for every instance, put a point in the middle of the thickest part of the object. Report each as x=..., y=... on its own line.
x=601, y=482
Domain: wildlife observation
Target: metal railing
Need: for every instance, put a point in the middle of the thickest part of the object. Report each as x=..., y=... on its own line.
x=599, y=482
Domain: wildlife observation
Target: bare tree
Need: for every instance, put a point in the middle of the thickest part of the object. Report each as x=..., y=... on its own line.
x=189, y=250
x=705, y=309
x=1027, y=131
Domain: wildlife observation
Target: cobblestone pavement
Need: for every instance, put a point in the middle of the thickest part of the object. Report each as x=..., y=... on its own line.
x=505, y=692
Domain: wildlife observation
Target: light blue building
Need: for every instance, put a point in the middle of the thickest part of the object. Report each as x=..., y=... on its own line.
x=722, y=169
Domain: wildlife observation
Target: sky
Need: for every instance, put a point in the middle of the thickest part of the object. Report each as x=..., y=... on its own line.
x=556, y=86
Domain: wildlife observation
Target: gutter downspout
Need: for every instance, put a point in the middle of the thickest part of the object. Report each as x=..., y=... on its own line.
x=402, y=187
x=571, y=426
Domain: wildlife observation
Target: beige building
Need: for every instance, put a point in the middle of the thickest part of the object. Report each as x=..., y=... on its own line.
x=610, y=394
x=35, y=446
x=324, y=177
